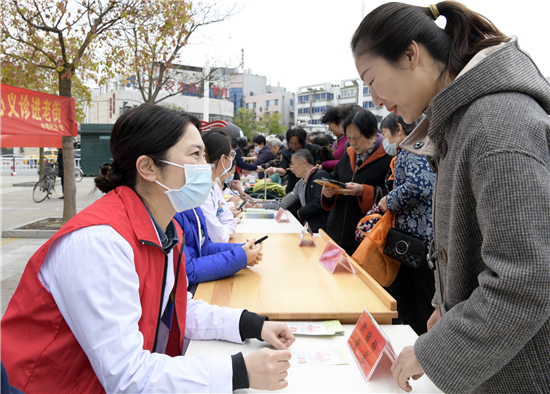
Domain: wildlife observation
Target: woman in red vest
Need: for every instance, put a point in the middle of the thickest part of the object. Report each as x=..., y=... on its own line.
x=103, y=305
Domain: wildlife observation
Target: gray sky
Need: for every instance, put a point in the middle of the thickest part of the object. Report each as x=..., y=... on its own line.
x=301, y=42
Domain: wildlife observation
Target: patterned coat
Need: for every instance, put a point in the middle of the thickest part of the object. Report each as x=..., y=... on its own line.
x=411, y=196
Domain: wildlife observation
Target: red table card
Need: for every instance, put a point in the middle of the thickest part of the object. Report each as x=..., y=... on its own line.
x=281, y=216
x=306, y=230
x=334, y=255
x=369, y=344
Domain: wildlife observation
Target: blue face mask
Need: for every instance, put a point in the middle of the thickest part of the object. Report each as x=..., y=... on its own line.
x=229, y=179
x=198, y=181
x=391, y=149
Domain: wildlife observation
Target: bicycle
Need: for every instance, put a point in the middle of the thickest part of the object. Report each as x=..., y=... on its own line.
x=78, y=174
x=45, y=186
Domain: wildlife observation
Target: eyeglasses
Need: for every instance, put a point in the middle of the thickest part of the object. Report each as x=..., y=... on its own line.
x=232, y=155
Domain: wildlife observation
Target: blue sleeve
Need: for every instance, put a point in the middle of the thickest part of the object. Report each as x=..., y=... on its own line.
x=214, y=266
x=243, y=165
x=416, y=185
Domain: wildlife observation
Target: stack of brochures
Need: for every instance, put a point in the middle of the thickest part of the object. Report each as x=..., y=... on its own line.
x=256, y=213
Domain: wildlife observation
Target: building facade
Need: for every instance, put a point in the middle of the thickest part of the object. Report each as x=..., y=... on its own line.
x=313, y=101
x=278, y=101
x=121, y=94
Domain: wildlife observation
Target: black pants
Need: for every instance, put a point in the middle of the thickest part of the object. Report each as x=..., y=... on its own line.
x=413, y=290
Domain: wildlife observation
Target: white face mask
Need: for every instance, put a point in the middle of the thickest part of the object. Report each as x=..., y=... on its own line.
x=198, y=181
x=257, y=149
x=391, y=149
x=225, y=171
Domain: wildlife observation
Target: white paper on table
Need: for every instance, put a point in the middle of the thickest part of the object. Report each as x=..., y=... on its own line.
x=318, y=357
x=308, y=328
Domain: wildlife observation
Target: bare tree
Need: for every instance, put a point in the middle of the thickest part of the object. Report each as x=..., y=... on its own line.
x=156, y=38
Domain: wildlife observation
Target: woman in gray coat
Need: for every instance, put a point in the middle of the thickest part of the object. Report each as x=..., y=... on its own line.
x=486, y=135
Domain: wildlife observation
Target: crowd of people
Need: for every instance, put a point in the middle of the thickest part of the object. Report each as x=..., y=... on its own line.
x=462, y=161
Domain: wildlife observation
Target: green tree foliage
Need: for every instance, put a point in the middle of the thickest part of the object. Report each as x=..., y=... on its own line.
x=270, y=123
x=246, y=120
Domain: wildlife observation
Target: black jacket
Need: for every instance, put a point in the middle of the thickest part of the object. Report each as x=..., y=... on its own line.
x=346, y=211
x=313, y=212
x=285, y=163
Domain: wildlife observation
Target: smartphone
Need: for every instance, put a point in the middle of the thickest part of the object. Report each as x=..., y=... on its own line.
x=260, y=240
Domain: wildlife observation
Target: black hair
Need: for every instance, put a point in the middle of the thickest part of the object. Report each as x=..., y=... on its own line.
x=281, y=137
x=364, y=120
x=388, y=30
x=391, y=121
x=216, y=144
x=296, y=132
x=331, y=115
x=338, y=114
x=259, y=139
x=149, y=130
x=304, y=154
x=319, y=138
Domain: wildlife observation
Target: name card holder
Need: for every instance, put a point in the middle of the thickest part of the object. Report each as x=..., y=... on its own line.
x=369, y=344
x=334, y=255
x=306, y=230
x=281, y=216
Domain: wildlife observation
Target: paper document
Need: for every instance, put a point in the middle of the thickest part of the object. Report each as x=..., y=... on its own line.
x=329, y=327
x=318, y=357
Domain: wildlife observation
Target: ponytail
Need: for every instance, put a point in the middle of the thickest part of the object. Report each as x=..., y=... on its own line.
x=388, y=31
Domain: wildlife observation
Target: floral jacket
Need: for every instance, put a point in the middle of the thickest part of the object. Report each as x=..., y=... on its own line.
x=411, y=196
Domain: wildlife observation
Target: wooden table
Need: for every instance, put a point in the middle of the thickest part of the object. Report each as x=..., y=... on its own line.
x=260, y=227
x=328, y=379
x=291, y=284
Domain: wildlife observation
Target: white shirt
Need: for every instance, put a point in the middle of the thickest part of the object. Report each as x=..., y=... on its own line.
x=92, y=278
x=220, y=222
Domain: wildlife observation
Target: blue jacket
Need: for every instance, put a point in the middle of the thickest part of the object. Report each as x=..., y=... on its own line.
x=211, y=261
x=411, y=196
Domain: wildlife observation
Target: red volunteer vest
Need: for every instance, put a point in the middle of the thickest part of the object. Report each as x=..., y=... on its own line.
x=39, y=351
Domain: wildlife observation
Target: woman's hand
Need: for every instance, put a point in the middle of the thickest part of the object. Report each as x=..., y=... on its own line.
x=271, y=170
x=235, y=199
x=253, y=252
x=259, y=169
x=235, y=211
x=329, y=192
x=434, y=318
x=267, y=368
x=277, y=334
x=405, y=367
x=353, y=189
x=383, y=204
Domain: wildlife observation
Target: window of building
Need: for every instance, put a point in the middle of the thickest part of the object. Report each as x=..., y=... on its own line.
x=348, y=93
x=253, y=105
x=246, y=105
x=267, y=103
x=291, y=103
x=276, y=101
x=366, y=90
x=368, y=104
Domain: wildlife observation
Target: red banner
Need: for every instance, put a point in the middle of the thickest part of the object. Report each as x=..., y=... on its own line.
x=26, y=113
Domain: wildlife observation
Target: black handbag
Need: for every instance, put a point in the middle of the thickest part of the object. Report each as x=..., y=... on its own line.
x=408, y=249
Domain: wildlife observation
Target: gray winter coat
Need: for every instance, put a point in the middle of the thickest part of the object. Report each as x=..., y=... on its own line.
x=487, y=134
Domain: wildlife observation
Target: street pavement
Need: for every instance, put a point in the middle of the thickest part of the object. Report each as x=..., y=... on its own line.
x=18, y=208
